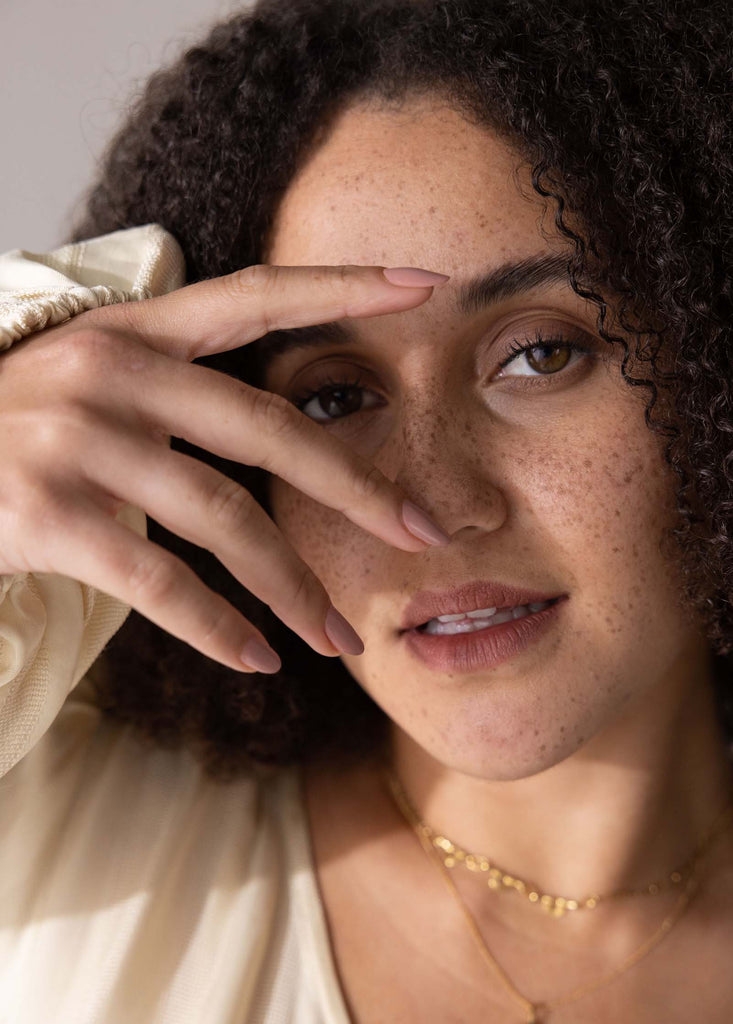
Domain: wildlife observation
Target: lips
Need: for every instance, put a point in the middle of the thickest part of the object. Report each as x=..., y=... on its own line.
x=428, y=604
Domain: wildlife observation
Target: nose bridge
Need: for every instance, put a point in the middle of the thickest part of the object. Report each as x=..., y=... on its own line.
x=442, y=456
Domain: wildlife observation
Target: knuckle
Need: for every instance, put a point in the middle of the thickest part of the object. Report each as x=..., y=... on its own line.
x=62, y=433
x=250, y=280
x=276, y=415
x=35, y=503
x=259, y=283
x=88, y=354
x=345, y=275
x=257, y=286
x=307, y=592
x=217, y=625
x=367, y=483
x=231, y=506
x=154, y=579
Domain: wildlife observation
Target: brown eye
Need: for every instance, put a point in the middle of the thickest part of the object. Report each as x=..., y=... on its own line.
x=341, y=401
x=546, y=359
x=336, y=400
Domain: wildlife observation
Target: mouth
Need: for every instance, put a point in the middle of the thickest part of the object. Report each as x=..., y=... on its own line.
x=474, y=605
x=483, y=638
x=482, y=618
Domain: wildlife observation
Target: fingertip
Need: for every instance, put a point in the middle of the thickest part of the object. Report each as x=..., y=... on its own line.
x=413, y=277
x=260, y=656
x=342, y=634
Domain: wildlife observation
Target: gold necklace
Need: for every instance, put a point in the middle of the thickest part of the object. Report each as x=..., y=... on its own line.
x=498, y=879
x=538, y=1012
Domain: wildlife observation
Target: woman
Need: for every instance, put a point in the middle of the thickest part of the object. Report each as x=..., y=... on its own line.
x=531, y=716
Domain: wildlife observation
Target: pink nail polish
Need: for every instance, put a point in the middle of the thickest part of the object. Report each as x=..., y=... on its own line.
x=413, y=277
x=260, y=656
x=421, y=525
x=341, y=634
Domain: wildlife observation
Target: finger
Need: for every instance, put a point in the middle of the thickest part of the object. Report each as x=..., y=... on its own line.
x=258, y=428
x=109, y=556
x=196, y=502
x=227, y=312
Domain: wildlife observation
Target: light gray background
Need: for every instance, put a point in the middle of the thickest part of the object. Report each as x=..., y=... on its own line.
x=67, y=72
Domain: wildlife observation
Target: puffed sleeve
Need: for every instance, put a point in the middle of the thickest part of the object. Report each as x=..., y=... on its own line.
x=53, y=627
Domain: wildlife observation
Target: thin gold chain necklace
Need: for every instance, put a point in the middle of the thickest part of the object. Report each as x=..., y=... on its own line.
x=538, y=1012
x=499, y=879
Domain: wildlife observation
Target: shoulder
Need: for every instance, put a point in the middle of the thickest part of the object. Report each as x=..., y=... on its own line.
x=93, y=778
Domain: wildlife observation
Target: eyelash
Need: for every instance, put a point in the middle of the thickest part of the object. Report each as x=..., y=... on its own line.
x=330, y=383
x=515, y=349
x=540, y=341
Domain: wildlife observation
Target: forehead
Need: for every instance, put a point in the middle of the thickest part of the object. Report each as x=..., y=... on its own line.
x=410, y=185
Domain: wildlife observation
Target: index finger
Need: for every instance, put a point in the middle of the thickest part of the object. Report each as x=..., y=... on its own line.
x=228, y=312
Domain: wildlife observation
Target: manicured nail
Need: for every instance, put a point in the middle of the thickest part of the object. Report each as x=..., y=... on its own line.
x=260, y=656
x=341, y=633
x=421, y=525
x=413, y=277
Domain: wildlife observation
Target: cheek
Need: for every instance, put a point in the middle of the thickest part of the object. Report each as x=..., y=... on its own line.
x=586, y=510
x=608, y=509
x=340, y=553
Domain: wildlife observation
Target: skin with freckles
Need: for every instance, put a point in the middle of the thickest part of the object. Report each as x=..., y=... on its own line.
x=560, y=489
x=545, y=475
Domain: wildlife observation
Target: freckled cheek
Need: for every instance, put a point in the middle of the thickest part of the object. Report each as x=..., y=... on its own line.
x=340, y=553
x=611, y=505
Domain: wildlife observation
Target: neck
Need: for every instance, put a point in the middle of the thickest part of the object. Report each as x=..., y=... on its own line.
x=626, y=809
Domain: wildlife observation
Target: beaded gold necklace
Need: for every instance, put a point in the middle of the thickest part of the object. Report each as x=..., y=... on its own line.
x=538, y=1012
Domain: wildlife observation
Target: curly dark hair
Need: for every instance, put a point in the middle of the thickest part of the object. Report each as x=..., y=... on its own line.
x=622, y=109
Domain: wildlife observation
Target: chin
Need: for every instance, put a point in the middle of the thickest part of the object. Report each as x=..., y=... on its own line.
x=502, y=748
x=509, y=766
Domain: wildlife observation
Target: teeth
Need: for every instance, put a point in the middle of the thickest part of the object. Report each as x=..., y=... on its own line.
x=447, y=625
x=481, y=613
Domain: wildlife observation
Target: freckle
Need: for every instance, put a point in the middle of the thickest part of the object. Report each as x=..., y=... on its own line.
x=537, y=732
x=543, y=748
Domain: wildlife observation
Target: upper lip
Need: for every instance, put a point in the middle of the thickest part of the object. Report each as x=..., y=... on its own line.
x=428, y=604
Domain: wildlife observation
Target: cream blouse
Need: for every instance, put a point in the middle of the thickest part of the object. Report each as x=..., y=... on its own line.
x=133, y=889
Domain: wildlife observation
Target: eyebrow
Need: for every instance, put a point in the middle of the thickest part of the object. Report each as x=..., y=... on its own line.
x=505, y=281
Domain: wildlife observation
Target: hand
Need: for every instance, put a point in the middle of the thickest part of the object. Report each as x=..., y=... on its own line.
x=87, y=410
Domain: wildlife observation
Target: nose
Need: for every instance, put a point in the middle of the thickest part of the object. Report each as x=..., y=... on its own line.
x=445, y=463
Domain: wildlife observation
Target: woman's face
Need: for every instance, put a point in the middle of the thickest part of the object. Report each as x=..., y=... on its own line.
x=542, y=469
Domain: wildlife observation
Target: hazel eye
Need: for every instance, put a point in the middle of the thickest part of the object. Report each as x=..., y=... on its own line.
x=544, y=358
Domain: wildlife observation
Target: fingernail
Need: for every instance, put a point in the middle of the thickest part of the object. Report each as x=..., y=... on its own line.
x=421, y=525
x=260, y=656
x=341, y=633
x=413, y=277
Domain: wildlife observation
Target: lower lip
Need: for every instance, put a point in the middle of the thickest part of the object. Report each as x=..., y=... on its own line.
x=486, y=648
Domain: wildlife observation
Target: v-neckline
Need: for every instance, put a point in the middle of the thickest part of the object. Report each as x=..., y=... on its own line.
x=314, y=940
